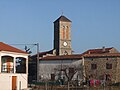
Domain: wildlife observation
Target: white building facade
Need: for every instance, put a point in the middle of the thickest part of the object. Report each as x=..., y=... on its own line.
x=13, y=68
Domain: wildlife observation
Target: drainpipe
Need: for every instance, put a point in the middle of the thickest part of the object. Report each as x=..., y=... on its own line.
x=83, y=65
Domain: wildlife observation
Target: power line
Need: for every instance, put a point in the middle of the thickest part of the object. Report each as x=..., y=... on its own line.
x=27, y=47
x=22, y=44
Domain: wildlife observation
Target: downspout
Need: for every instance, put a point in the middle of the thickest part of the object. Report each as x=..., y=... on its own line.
x=83, y=65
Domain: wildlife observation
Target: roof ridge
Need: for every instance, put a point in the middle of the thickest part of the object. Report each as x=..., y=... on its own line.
x=101, y=48
x=63, y=18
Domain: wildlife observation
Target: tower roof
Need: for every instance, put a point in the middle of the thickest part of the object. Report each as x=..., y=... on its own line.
x=62, y=18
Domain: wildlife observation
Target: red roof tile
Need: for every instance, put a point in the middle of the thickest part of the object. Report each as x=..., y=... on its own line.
x=6, y=47
x=43, y=53
x=97, y=51
x=102, y=55
x=79, y=56
x=62, y=57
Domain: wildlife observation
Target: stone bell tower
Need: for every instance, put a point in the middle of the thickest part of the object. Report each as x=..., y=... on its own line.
x=62, y=36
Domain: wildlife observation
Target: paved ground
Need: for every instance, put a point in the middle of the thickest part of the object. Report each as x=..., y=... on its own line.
x=74, y=88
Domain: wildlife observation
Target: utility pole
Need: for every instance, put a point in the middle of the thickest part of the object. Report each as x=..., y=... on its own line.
x=37, y=62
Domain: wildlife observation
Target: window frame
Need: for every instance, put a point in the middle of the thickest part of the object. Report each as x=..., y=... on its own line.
x=93, y=66
x=108, y=65
x=7, y=64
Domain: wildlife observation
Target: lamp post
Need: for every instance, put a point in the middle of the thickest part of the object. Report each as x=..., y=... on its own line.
x=37, y=57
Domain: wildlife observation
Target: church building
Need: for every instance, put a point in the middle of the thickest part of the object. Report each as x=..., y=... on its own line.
x=62, y=49
x=53, y=64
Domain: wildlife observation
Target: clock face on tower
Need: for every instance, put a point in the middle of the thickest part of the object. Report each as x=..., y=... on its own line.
x=65, y=44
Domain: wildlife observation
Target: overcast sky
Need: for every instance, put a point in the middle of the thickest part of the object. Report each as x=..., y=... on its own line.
x=95, y=23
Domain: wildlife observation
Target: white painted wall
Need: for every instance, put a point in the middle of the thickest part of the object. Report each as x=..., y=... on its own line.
x=6, y=78
x=6, y=81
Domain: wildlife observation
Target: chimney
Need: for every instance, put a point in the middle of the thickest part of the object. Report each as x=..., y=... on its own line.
x=89, y=52
x=103, y=49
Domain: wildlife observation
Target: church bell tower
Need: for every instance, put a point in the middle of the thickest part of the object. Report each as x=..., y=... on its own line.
x=62, y=36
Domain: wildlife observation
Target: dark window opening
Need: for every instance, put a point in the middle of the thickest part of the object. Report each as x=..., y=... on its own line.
x=71, y=70
x=20, y=65
x=65, y=53
x=108, y=66
x=108, y=77
x=52, y=77
x=93, y=66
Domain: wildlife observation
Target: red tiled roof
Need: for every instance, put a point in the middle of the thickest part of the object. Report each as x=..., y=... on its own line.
x=102, y=55
x=6, y=47
x=79, y=56
x=43, y=53
x=97, y=51
x=62, y=57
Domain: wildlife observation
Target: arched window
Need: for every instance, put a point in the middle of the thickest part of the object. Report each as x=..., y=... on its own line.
x=65, y=53
x=20, y=65
x=7, y=65
x=67, y=32
x=63, y=33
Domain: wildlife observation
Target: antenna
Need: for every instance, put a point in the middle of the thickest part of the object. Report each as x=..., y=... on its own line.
x=62, y=13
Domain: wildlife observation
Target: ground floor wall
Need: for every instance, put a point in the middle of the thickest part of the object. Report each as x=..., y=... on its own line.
x=100, y=70
x=53, y=68
x=13, y=81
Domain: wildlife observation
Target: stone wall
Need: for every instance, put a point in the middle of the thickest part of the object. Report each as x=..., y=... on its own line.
x=118, y=70
x=100, y=72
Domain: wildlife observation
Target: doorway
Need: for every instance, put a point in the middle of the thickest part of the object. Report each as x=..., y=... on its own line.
x=14, y=82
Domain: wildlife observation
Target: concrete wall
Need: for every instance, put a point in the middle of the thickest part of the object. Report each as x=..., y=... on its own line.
x=48, y=67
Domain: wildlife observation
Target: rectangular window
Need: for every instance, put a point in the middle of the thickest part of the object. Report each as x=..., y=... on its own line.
x=108, y=66
x=7, y=64
x=20, y=65
x=52, y=77
x=93, y=66
x=71, y=70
